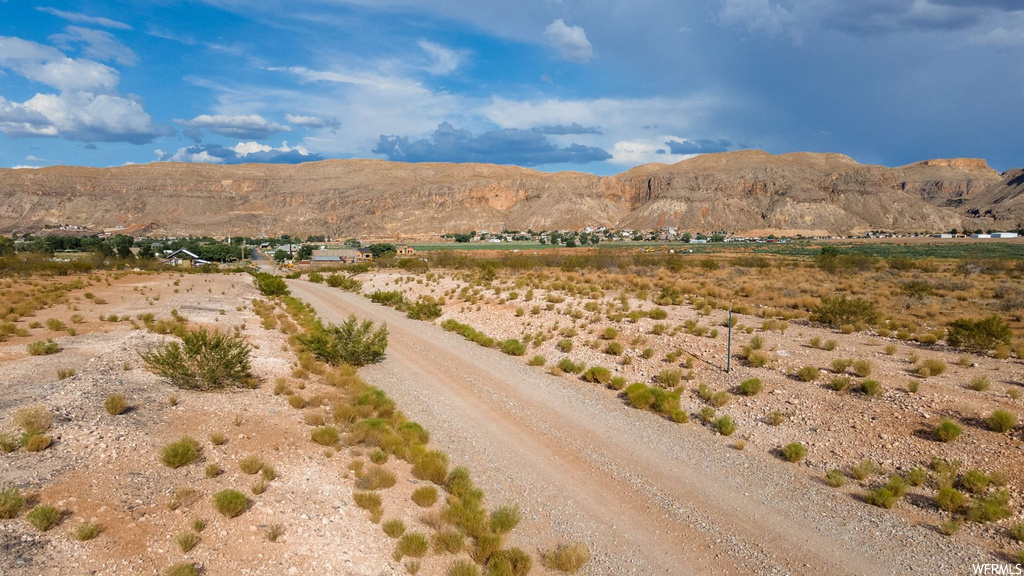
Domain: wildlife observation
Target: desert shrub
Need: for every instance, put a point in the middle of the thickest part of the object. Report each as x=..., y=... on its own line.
x=250, y=464
x=609, y=333
x=613, y=349
x=230, y=503
x=377, y=478
x=839, y=365
x=564, y=346
x=913, y=386
x=598, y=374
x=325, y=435
x=347, y=283
x=392, y=298
x=537, y=360
x=719, y=399
x=510, y=562
x=862, y=368
x=707, y=414
x=270, y=285
x=839, y=383
x=412, y=544
x=835, y=478
x=679, y=416
x=980, y=383
x=213, y=470
x=881, y=497
x=839, y=311
x=505, y=518
x=870, y=387
x=463, y=568
x=949, y=499
x=794, y=452
x=178, y=454
x=567, y=365
x=432, y=466
x=990, y=508
x=1017, y=531
x=947, y=431
x=930, y=367
x=354, y=343
x=203, y=361
x=657, y=314
x=182, y=569
x=829, y=345
x=1001, y=421
x=11, y=503
x=513, y=347
x=34, y=419
x=394, y=527
x=808, y=373
x=87, y=531
x=917, y=476
x=670, y=378
x=485, y=545
x=758, y=358
x=425, y=308
x=978, y=335
x=40, y=348
x=863, y=469
x=368, y=500
x=450, y=541
x=775, y=418
x=640, y=395
x=975, y=481
x=725, y=426
x=187, y=541
x=750, y=386
x=115, y=404
x=569, y=558
x=616, y=383
x=37, y=442
x=43, y=517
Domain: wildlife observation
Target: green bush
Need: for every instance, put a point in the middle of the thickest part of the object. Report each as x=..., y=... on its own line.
x=640, y=395
x=949, y=498
x=354, y=343
x=613, y=349
x=978, y=335
x=230, y=503
x=509, y=562
x=839, y=383
x=537, y=360
x=930, y=367
x=567, y=365
x=568, y=558
x=177, y=454
x=751, y=386
x=325, y=435
x=394, y=527
x=835, y=478
x=990, y=508
x=432, y=466
x=975, y=481
x=725, y=426
x=347, y=283
x=794, y=452
x=203, y=361
x=41, y=348
x=182, y=569
x=980, y=383
x=392, y=298
x=513, y=347
x=505, y=518
x=881, y=497
x=808, y=373
x=838, y=311
x=468, y=332
x=425, y=308
x=947, y=430
x=670, y=378
x=270, y=285
x=11, y=503
x=412, y=544
x=598, y=374
x=1001, y=421
x=115, y=404
x=871, y=387
x=564, y=346
x=43, y=517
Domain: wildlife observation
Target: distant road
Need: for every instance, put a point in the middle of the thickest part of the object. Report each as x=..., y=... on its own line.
x=647, y=495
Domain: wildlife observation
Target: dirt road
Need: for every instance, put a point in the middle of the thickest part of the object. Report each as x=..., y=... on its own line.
x=647, y=495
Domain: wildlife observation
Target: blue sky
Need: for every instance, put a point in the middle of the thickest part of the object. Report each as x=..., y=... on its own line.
x=598, y=86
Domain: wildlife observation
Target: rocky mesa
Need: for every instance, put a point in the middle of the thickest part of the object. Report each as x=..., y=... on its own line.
x=740, y=192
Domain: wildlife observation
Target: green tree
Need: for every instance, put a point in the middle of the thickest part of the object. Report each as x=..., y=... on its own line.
x=381, y=249
x=305, y=252
x=280, y=255
x=354, y=343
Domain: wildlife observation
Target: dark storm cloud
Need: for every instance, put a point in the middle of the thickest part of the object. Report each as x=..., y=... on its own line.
x=698, y=146
x=508, y=146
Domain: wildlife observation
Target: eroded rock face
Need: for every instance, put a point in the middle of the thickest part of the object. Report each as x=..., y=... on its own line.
x=736, y=191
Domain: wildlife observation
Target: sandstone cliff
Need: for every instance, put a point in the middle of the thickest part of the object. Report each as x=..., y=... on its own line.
x=737, y=191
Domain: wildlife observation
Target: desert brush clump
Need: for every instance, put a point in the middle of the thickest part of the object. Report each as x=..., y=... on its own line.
x=203, y=361
x=794, y=452
x=751, y=386
x=568, y=558
x=1001, y=421
x=230, y=502
x=509, y=562
x=325, y=435
x=414, y=544
x=394, y=528
x=947, y=430
x=115, y=404
x=34, y=420
x=354, y=343
x=432, y=466
x=250, y=464
x=43, y=517
x=11, y=503
x=177, y=454
x=979, y=336
x=425, y=496
x=87, y=531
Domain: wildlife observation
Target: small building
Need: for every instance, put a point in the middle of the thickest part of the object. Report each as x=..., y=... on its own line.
x=1004, y=234
x=403, y=250
x=981, y=235
x=942, y=235
x=338, y=257
x=185, y=258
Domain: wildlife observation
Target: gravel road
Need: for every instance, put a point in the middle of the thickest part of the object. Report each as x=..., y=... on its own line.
x=647, y=495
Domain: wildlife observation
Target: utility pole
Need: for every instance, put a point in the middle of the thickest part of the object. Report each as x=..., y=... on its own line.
x=728, y=346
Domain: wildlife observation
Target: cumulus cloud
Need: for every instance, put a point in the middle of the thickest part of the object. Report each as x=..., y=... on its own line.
x=251, y=126
x=687, y=146
x=313, y=121
x=507, y=146
x=99, y=44
x=243, y=152
x=570, y=41
x=86, y=109
x=84, y=19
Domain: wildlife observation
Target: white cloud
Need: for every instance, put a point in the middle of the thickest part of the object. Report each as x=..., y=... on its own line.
x=571, y=41
x=443, y=60
x=80, y=116
x=34, y=158
x=188, y=155
x=312, y=121
x=84, y=19
x=50, y=66
x=247, y=148
x=99, y=44
x=237, y=126
x=644, y=151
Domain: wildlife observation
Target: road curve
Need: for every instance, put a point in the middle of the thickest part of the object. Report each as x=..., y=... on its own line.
x=647, y=495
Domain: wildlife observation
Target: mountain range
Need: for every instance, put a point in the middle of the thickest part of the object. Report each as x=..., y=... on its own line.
x=747, y=192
